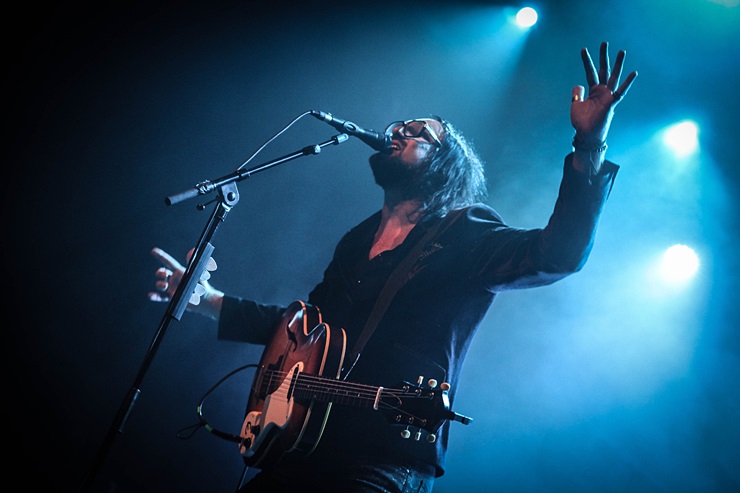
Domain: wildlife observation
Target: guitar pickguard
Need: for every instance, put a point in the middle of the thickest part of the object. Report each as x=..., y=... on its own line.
x=259, y=426
x=280, y=419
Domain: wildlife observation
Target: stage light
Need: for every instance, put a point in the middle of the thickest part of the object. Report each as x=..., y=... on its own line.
x=679, y=263
x=682, y=138
x=526, y=17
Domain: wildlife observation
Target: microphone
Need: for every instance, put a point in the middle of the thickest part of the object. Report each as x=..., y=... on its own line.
x=378, y=141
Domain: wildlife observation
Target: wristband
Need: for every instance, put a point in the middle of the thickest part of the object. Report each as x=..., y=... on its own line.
x=580, y=147
x=595, y=156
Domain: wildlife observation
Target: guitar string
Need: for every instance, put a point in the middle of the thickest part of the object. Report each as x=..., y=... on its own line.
x=413, y=418
x=304, y=382
x=368, y=399
x=305, y=379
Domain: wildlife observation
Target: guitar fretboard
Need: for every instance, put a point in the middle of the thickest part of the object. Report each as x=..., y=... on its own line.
x=312, y=387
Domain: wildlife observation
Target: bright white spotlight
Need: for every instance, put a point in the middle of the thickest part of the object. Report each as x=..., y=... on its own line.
x=679, y=263
x=526, y=17
x=682, y=138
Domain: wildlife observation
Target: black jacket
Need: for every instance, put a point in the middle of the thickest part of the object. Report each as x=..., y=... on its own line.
x=431, y=322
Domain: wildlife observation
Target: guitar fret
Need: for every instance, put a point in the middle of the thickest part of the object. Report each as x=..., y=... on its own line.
x=327, y=390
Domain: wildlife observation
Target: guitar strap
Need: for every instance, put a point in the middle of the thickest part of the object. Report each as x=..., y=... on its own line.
x=398, y=278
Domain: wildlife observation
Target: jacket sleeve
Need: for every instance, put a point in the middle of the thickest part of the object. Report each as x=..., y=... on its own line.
x=510, y=258
x=247, y=321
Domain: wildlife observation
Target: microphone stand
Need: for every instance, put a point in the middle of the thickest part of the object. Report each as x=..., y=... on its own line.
x=228, y=197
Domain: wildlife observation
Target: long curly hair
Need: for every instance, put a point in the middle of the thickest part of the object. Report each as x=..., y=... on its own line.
x=454, y=177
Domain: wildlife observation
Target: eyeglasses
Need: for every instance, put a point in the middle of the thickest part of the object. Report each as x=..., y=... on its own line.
x=412, y=129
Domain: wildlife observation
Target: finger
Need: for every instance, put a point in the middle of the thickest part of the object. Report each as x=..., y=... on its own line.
x=619, y=93
x=158, y=297
x=166, y=259
x=604, y=63
x=617, y=72
x=162, y=285
x=163, y=273
x=577, y=94
x=588, y=64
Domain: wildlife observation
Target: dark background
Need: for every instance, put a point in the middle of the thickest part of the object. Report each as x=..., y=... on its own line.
x=607, y=381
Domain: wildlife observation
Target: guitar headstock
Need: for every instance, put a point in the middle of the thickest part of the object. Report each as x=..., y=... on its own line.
x=416, y=406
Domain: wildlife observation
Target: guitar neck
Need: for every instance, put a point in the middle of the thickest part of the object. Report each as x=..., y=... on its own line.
x=312, y=387
x=407, y=405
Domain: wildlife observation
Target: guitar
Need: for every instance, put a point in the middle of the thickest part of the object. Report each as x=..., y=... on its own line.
x=297, y=382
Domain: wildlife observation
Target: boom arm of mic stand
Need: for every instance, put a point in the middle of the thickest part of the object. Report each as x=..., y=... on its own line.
x=208, y=186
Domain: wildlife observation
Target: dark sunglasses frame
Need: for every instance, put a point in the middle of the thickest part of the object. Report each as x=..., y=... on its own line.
x=406, y=134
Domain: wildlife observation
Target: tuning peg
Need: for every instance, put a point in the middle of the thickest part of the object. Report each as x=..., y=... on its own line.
x=431, y=438
x=432, y=383
x=405, y=433
x=444, y=386
x=417, y=436
x=420, y=380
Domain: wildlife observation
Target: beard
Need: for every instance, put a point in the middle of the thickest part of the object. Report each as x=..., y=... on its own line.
x=391, y=173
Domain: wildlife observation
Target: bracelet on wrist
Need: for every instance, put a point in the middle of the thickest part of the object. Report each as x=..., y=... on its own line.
x=579, y=146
